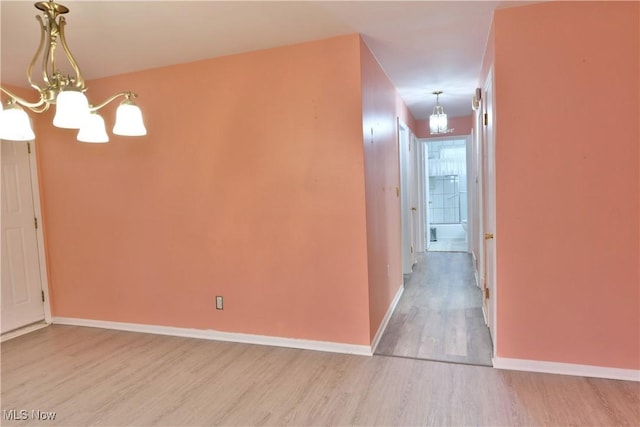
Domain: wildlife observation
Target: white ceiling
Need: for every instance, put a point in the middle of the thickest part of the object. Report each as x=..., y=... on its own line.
x=422, y=45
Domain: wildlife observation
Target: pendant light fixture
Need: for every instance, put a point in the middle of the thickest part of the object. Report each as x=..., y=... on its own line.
x=438, y=119
x=73, y=110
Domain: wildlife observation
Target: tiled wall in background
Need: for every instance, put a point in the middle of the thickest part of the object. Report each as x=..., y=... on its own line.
x=447, y=192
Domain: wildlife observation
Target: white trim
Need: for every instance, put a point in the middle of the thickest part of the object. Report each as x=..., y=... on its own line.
x=385, y=320
x=22, y=331
x=475, y=268
x=489, y=137
x=566, y=369
x=209, y=334
x=37, y=211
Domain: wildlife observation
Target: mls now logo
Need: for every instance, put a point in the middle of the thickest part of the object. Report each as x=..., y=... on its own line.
x=43, y=415
x=23, y=414
x=15, y=415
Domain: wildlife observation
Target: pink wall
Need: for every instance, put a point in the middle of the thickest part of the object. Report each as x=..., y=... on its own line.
x=250, y=185
x=461, y=126
x=382, y=176
x=567, y=190
x=403, y=113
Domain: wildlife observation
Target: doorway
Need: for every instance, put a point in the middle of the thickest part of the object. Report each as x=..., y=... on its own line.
x=24, y=282
x=446, y=188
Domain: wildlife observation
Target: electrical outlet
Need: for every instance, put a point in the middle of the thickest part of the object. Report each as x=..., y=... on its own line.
x=219, y=303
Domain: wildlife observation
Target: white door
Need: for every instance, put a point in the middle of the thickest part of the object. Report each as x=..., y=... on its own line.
x=21, y=286
x=489, y=216
x=479, y=202
x=413, y=197
x=405, y=198
x=424, y=202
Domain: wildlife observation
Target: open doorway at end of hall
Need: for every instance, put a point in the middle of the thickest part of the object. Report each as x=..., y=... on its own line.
x=446, y=180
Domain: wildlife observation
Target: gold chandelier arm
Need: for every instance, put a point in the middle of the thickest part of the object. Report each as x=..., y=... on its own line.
x=127, y=94
x=33, y=106
x=79, y=83
x=35, y=57
x=44, y=107
x=47, y=54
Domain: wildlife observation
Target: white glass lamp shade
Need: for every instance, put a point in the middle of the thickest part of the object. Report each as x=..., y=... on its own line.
x=438, y=123
x=72, y=108
x=15, y=124
x=93, y=130
x=129, y=120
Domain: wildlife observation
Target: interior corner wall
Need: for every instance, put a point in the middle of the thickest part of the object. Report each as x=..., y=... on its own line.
x=403, y=113
x=567, y=182
x=382, y=178
x=248, y=185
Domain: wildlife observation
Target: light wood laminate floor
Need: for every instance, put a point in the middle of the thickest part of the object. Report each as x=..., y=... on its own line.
x=448, y=245
x=99, y=377
x=439, y=316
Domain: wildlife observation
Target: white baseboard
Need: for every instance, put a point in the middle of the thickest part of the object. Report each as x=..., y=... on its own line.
x=385, y=320
x=209, y=334
x=22, y=331
x=566, y=369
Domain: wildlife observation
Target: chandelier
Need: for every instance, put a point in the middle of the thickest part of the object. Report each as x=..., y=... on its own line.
x=73, y=110
x=438, y=119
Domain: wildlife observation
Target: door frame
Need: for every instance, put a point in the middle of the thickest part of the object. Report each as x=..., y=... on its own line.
x=489, y=203
x=422, y=198
x=478, y=203
x=406, y=192
x=37, y=212
x=423, y=185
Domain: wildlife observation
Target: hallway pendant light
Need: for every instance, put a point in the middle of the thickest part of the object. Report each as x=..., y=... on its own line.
x=438, y=119
x=66, y=92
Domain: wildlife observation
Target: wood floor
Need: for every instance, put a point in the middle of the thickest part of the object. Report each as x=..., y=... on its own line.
x=448, y=245
x=439, y=316
x=99, y=377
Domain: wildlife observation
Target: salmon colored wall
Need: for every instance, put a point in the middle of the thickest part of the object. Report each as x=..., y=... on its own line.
x=402, y=111
x=382, y=177
x=567, y=182
x=249, y=185
x=462, y=126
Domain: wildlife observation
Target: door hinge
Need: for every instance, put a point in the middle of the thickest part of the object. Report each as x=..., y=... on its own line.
x=42, y=296
x=486, y=293
x=486, y=119
x=35, y=221
x=29, y=147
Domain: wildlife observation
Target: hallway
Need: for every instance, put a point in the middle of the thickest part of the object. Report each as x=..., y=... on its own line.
x=439, y=316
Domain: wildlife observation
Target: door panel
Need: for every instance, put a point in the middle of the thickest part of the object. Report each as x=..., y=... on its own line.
x=488, y=217
x=405, y=198
x=21, y=287
x=425, y=192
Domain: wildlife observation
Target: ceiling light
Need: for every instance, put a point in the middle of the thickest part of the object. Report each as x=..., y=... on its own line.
x=66, y=92
x=15, y=124
x=438, y=120
x=93, y=130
